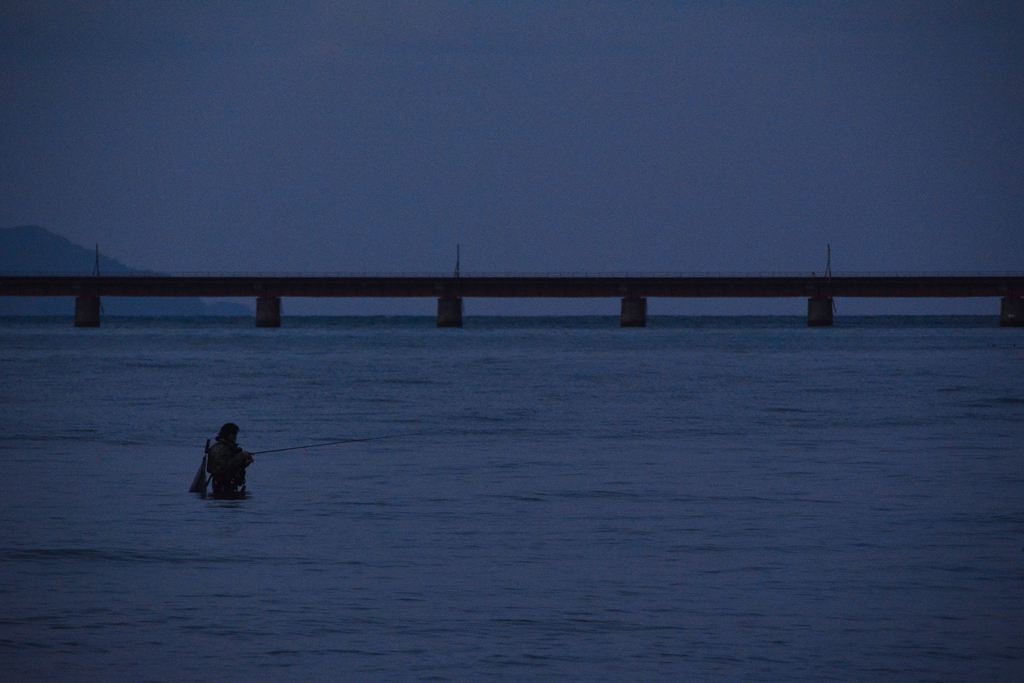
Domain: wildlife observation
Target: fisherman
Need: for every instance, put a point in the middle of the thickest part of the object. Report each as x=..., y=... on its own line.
x=226, y=461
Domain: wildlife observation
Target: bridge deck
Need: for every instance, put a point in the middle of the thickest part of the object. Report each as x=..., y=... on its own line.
x=526, y=286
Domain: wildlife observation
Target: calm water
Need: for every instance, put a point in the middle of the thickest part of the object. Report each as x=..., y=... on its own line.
x=707, y=499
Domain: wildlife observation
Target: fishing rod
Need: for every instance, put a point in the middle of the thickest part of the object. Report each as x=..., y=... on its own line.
x=334, y=443
x=201, y=481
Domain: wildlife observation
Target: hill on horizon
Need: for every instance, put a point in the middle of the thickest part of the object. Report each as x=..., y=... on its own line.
x=33, y=250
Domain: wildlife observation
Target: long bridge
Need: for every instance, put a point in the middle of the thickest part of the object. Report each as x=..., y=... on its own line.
x=633, y=290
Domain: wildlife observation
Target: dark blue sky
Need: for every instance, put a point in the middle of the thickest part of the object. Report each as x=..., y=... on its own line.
x=541, y=136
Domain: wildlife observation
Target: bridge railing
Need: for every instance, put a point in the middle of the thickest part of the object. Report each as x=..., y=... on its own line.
x=567, y=274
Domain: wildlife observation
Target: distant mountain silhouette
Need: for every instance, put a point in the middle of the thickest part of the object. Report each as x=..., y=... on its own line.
x=32, y=250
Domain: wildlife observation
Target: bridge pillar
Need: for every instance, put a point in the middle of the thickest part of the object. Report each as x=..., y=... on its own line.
x=634, y=312
x=87, y=310
x=819, y=311
x=268, y=311
x=1011, y=312
x=449, y=311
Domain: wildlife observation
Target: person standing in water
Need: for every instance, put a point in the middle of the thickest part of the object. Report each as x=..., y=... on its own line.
x=226, y=461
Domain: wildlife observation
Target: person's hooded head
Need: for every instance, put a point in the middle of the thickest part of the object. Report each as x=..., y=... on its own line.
x=229, y=431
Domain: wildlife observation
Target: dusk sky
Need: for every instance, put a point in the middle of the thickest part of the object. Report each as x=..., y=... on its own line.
x=627, y=137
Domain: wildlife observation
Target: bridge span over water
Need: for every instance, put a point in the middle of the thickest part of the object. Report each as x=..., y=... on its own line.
x=450, y=290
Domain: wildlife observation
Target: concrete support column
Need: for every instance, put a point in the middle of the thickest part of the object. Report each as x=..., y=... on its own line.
x=1011, y=312
x=634, y=312
x=449, y=311
x=819, y=311
x=268, y=311
x=87, y=311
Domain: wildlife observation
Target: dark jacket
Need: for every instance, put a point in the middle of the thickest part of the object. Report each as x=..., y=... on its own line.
x=225, y=457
